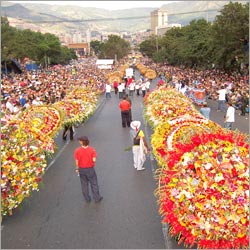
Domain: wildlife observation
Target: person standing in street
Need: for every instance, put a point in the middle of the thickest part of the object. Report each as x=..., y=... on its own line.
x=120, y=90
x=125, y=107
x=115, y=85
x=108, y=90
x=205, y=110
x=65, y=132
x=230, y=116
x=140, y=147
x=222, y=99
x=85, y=158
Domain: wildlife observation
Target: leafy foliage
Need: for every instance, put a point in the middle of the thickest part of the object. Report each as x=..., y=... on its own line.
x=20, y=44
x=115, y=46
x=201, y=44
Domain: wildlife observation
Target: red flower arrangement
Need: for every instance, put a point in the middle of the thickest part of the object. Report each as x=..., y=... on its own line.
x=204, y=196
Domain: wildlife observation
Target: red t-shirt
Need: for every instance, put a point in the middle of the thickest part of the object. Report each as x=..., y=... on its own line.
x=115, y=84
x=124, y=105
x=85, y=156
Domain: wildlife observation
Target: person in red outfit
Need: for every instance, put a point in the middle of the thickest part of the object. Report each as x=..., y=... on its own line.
x=115, y=85
x=125, y=107
x=85, y=157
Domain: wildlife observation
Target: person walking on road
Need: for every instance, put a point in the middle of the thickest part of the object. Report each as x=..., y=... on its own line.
x=222, y=99
x=115, y=85
x=230, y=116
x=140, y=147
x=108, y=90
x=125, y=107
x=65, y=132
x=85, y=158
x=120, y=90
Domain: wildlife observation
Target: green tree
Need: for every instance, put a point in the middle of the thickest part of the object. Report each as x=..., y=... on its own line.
x=96, y=46
x=148, y=47
x=115, y=47
x=229, y=28
x=39, y=47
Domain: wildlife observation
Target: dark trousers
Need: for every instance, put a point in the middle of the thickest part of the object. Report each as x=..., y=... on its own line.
x=130, y=115
x=120, y=95
x=88, y=175
x=243, y=109
x=125, y=118
x=116, y=90
x=71, y=132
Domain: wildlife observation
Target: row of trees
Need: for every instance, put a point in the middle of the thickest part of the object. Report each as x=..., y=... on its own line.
x=222, y=44
x=16, y=43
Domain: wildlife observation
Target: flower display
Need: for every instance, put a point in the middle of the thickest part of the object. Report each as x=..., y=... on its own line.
x=79, y=104
x=203, y=175
x=22, y=164
x=205, y=195
x=29, y=137
x=46, y=119
x=166, y=103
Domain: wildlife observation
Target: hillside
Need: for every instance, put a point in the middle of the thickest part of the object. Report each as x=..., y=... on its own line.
x=63, y=18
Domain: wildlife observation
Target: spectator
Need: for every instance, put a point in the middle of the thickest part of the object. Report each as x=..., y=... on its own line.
x=205, y=110
x=230, y=116
x=222, y=99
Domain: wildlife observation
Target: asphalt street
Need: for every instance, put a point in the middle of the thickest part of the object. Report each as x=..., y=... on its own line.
x=57, y=216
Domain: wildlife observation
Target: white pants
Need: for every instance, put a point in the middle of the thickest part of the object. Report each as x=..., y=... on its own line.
x=139, y=157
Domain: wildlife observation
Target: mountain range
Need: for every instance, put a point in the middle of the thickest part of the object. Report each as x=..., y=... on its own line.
x=65, y=18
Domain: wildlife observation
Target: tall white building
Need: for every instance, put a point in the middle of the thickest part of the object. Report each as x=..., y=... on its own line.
x=159, y=18
x=159, y=22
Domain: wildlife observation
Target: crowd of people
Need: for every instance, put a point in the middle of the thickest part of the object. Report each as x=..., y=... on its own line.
x=235, y=85
x=20, y=91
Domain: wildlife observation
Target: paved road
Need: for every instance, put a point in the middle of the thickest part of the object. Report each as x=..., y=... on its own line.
x=57, y=217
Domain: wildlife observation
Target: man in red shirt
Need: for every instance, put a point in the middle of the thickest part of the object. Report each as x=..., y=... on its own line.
x=115, y=85
x=85, y=157
x=125, y=107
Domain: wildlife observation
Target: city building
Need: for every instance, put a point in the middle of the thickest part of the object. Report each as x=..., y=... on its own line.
x=159, y=18
x=81, y=49
x=159, y=22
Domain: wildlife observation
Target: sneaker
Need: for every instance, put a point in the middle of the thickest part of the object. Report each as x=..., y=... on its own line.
x=99, y=200
x=141, y=169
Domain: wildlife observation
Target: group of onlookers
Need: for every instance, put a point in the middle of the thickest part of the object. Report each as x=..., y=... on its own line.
x=19, y=91
x=235, y=85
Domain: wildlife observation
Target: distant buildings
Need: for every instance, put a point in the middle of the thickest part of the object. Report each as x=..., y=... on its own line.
x=159, y=22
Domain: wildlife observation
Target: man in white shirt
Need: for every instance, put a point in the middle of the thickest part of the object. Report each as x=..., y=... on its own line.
x=222, y=99
x=120, y=90
x=108, y=90
x=230, y=116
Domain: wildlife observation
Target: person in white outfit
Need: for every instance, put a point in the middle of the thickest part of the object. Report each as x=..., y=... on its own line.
x=222, y=99
x=230, y=116
x=140, y=146
x=108, y=90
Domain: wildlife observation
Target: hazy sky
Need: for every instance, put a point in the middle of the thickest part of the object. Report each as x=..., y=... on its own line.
x=110, y=5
